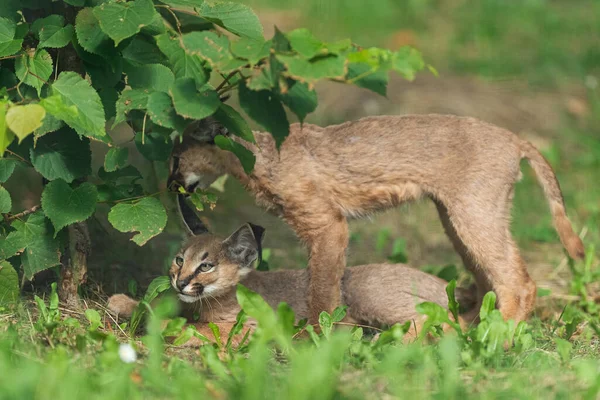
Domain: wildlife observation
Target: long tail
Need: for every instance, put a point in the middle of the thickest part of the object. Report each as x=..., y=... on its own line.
x=549, y=183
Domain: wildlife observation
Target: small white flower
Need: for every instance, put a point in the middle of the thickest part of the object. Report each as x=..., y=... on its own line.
x=127, y=353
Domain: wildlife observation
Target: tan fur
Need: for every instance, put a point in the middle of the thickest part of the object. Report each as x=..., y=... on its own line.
x=321, y=176
x=376, y=295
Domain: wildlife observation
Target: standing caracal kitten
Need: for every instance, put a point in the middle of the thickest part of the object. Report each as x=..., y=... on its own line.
x=322, y=176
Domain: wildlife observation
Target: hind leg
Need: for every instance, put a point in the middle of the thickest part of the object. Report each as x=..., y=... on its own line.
x=480, y=232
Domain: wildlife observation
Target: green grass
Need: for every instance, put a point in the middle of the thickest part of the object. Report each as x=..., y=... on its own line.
x=552, y=46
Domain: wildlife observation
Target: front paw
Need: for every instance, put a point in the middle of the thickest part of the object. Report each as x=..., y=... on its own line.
x=122, y=305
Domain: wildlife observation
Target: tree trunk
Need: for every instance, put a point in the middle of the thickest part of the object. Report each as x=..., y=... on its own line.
x=73, y=272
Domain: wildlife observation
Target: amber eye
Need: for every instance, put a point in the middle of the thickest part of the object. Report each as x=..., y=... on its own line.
x=205, y=267
x=179, y=261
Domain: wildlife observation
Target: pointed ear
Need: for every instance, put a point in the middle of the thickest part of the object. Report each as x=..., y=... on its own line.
x=191, y=221
x=205, y=130
x=244, y=245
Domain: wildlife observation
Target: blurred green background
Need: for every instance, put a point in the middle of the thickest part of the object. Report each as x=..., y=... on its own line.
x=531, y=66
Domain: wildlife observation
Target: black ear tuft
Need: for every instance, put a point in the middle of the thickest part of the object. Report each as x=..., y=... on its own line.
x=244, y=245
x=259, y=234
x=189, y=217
x=205, y=130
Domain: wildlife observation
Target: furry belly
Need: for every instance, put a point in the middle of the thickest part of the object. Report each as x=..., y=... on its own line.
x=359, y=202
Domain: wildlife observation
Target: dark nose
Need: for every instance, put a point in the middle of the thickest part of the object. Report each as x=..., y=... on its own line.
x=182, y=283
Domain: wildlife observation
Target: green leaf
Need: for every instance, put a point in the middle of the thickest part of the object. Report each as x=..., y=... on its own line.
x=56, y=36
x=23, y=120
x=267, y=110
x=156, y=287
x=339, y=313
x=75, y=91
x=153, y=77
x=49, y=124
x=143, y=50
x=51, y=20
x=123, y=20
x=308, y=46
x=105, y=75
x=128, y=172
x=9, y=283
x=213, y=48
x=251, y=49
x=407, y=62
x=453, y=305
x=64, y=205
x=135, y=99
x=110, y=193
x=300, y=99
x=33, y=240
x=325, y=323
x=116, y=158
x=235, y=17
x=147, y=216
x=246, y=157
x=6, y=136
x=303, y=70
x=8, y=44
x=156, y=147
x=5, y=201
x=7, y=167
x=488, y=305
x=193, y=103
x=162, y=112
x=365, y=76
x=76, y=3
x=234, y=122
x=34, y=69
x=184, y=65
x=90, y=36
x=62, y=155
x=94, y=318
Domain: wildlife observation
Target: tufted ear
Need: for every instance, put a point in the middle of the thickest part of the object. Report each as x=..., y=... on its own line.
x=191, y=221
x=244, y=246
x=205, y=130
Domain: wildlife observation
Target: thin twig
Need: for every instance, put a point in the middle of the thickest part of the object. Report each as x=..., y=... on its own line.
x=39, y=77
x=226, y=80
x=22, y=214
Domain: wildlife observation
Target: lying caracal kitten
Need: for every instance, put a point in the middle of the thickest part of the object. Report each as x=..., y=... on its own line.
x=207, y=269
x=321, y=176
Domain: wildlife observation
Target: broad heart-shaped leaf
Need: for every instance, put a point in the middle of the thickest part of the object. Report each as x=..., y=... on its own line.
x=90, y=36
x=8, y=44
x=162, y=112
x=156, y=146
x=49, y=124
x=252, y=50
x=64, y=205
x=7, y=167
x=246, y=157
x=304, y=70
x=34, y=69
x=56, y=36
x=123, y=20
x=308, y=46
x=51, y=20
x=152, y=77
x=62, y=155
x=5, y=201
x=23, y=120
x=300, y=99
x=235, y=17
x=6, y=136
x=184, y=65
x=147, y=216
x=76, y=92
x=9, y=283
x=368, y=77
x=213, y=48
x=33, y=240
x=193, y=103
x=267, y=110
x=234, y=122
x=116, y=158
x=143, y=50
x=135, y=99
